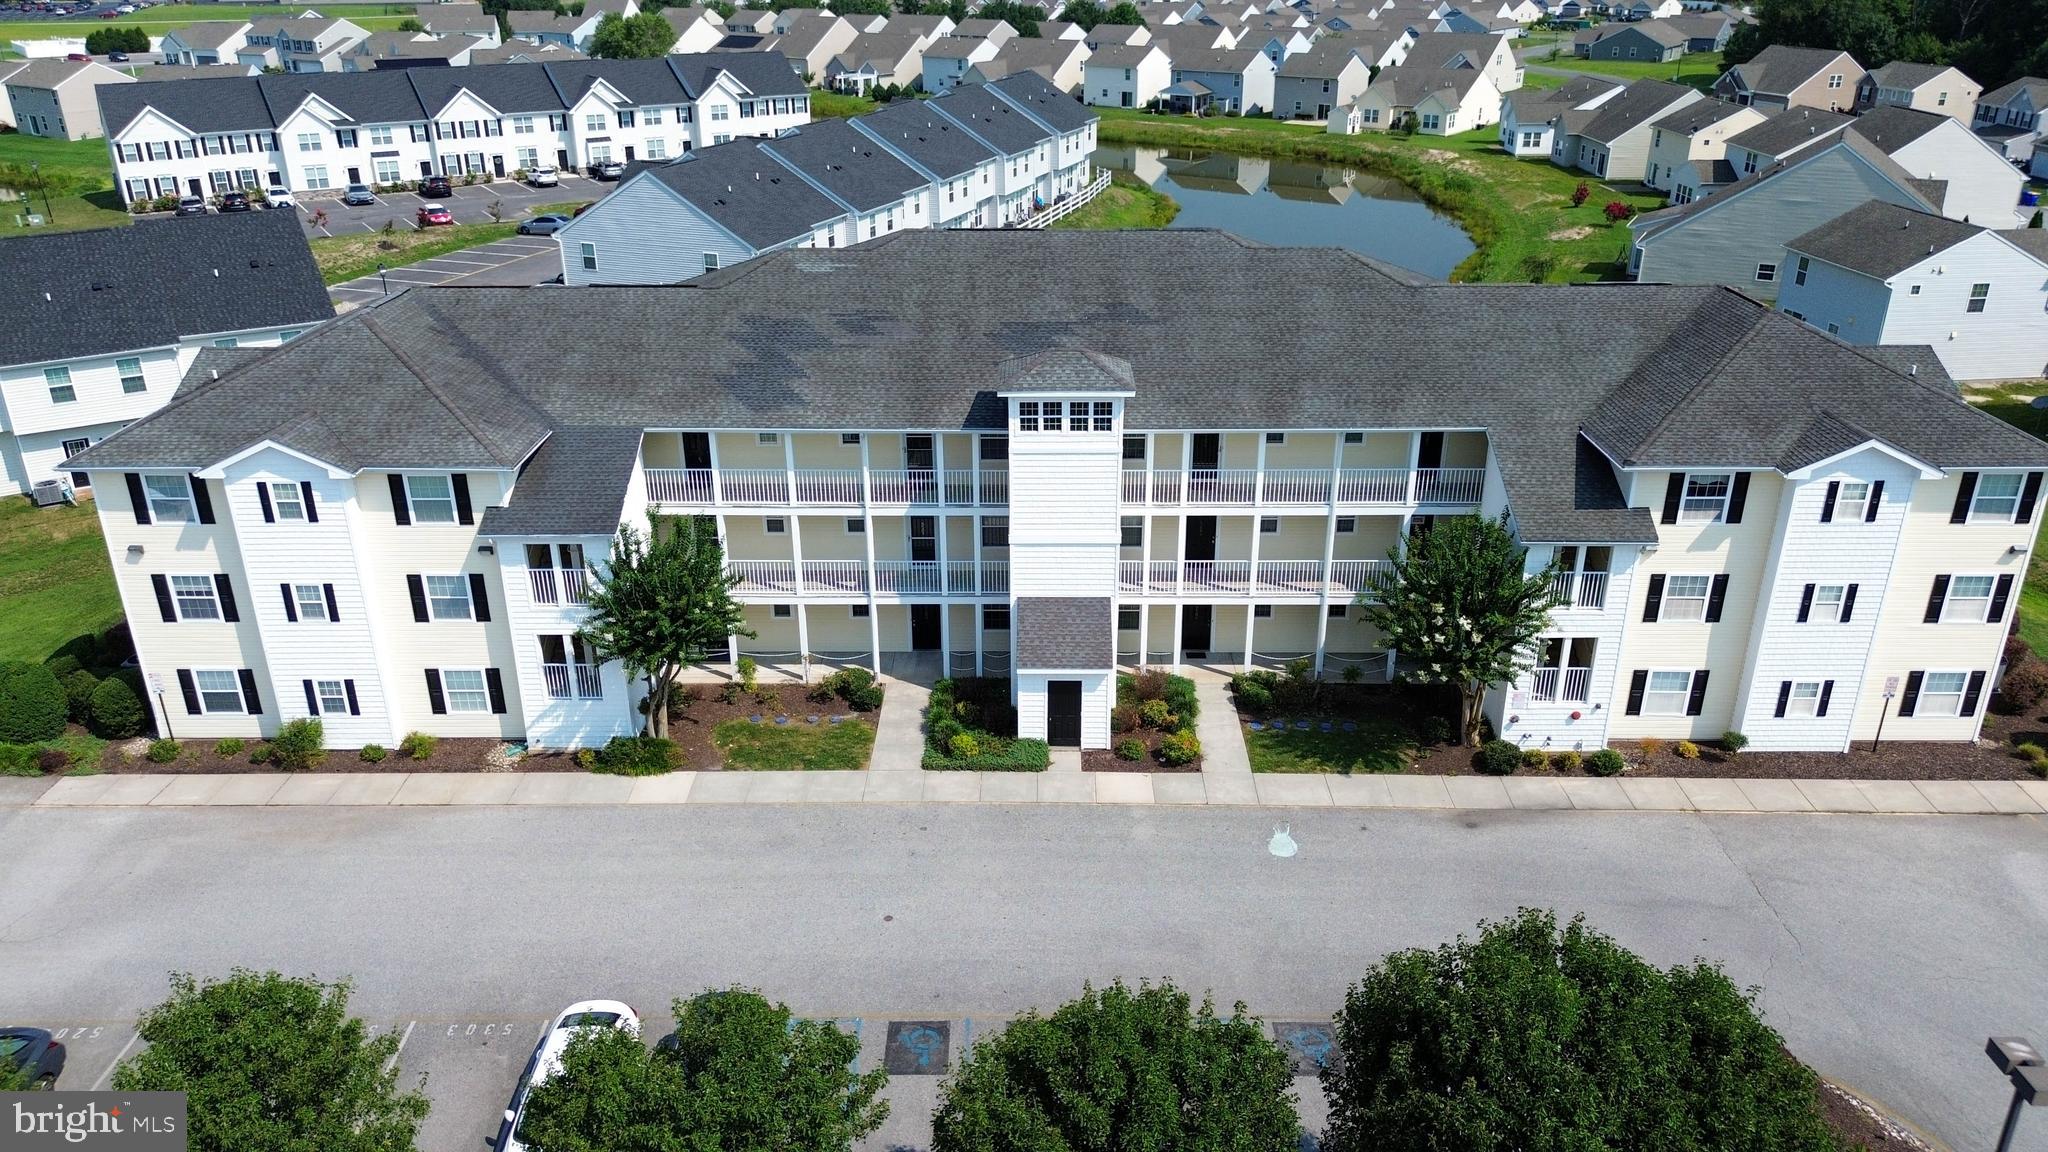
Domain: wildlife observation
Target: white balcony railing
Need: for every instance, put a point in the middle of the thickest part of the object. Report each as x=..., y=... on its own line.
x=954, y=487
x=1373, y=486
x=1295, y=486
x=1344, y=578
x=1449, y=485
x=835, y=576
x=899, y=577
x=753, y=485
x=679, y=485
x=995, y=486
x=1561, y=684
x=828, y=486
x=1581, y=589
x=558, y=585
x=1156, y=486
x=1244, y=486
x=903, y=486
x=763, y=575
x=913, y=577
x=573, y=681
x=995, y=575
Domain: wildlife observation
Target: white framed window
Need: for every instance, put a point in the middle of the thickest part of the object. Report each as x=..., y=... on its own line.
x=1127, y=617
x=781, y=611
x=767, y=438
x=995, y=532
x=1105, y=419
x=170, y=497
x=1685, y=598
x=1666, y=693
x=58, y=380
x=1262, y=611
x=333, y=697
x=594, y=122
x=1941, y=694
x=309, y=141
x=380, y=137
x=1968, y=600
x=129, y=368
x=1827, y=603
x=448, y=597
x=1980, y=294
x=1347, y=525
x=1852, y=501
x=711, y=261
x=1354, y=437
x=589, y=254
x=227, y=342
x=388, y=172
x=996, y=618
x=1339, y=611
x=1706, y=497
x=316, y=177
x=195, y=597
x=431, y=499
x=1132, y=531
x=220, y=690
x=650, y=117
x=1803, y=702
x=1765, y=273
x=286, y=503
x=1997, y=496
x=857, y=611
x=1027, y=416
x=657, y=150
x=855, y=526
x=774, y=525
x=312, y=601
x=1799, y=272
x=522, y=125
x=465, y=689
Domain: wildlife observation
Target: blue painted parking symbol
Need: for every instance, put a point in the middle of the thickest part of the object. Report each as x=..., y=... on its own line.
x=1310, y=1045
x=918, y=1047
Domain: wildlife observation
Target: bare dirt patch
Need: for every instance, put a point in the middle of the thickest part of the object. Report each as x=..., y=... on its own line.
x=1580, y=232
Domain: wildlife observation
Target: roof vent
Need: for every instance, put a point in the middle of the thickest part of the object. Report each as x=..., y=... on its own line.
x=216, y=273
x=1912, y=369
x=46, y=297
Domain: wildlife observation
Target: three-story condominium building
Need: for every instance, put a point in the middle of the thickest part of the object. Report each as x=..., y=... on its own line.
x=1047, y=473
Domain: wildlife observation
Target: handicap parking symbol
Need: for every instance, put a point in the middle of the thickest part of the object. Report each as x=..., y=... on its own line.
x=1310, y=1044
x=918, y=1047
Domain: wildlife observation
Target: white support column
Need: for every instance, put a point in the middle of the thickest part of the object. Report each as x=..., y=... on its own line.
x=974, y=478
x=980, y=666
x=717, y=489
x=1259, y=475
x=1329, y=554
x=1252, y=584
x=1144, y=629
x=796, y=565
x=803, y=639
x=789, y=466
x=945, y=557
x=945, y=640
x=732, y=640
x=1151, y=463
x=1176, y=649
x=1180, y=553
x=1414, y=463
x=867, y=543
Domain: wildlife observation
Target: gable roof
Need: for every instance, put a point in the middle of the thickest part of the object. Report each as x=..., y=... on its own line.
x=1927, y=194
x=990, y=117
x=1780, y=68
x=1326, y=60
x=2034, y=85
x=1640, y=103
x=847, y=163
x=1788, y=130
x=934, y=142
x=749, y=194
x=51, y=73
x=1891, y=127
x=1122, y=55
x=1907, y=74
x=1880, y=239
x=208, y=33
x=1698, y=116
x=1035, y=95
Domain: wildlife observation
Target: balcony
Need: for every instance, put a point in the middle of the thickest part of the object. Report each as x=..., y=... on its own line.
x=573, y=681
x=1343, y=579
x=558, y=585
x=1553, y=684
x=1581, y=590
x=1246, y=487
x=890, y=577
x=830, y=487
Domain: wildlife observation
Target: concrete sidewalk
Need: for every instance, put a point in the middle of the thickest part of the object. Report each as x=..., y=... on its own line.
x=1226, y=788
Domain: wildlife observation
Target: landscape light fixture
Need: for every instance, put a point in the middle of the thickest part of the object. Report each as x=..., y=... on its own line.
x=2022, y=1062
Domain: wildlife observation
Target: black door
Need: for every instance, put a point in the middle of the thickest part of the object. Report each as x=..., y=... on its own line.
x=1208, y=451
x=1194, y=629
x=924, y=627
x=355, y=175
x=697, y=450
x=1431, y=451
x=1201, y=544
x=918, y=458
x=193, y=184
x=629, y=153
x=498, y=166
x=562, y=158
x=1063, y=713
x=924, y=540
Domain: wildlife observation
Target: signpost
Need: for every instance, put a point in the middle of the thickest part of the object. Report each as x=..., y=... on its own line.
x=1891, y=689
x=163, y=712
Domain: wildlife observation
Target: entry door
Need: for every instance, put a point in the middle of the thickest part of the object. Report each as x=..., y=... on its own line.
x=497, y=166
x=924, y=540
x=562, y=158
x=629, y=153
x=1430, y=453
x=1201, y=543
x=79, y=480
x=918, y=459
x=1195, y=620
x=924, y=627
x=355, y=175
x=697, y=450
x=193, y=184
x=1206, y=455
x=1063, y=713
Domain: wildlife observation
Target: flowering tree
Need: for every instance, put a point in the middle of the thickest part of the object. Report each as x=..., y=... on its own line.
x=662, y=603
x=1461, y=610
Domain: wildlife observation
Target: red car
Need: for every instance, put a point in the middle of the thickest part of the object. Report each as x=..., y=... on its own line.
x=431, y=214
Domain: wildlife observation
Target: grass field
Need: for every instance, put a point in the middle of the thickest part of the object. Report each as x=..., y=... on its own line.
x=55, y=582
x=1698, y=70
x=1377, y=746
x=357, y=254
x=82, y=182
x=2012, y=403
x=164, y=17
x=827, y=103
x=1124, y=204
x=1518, y=212
x=795, y=746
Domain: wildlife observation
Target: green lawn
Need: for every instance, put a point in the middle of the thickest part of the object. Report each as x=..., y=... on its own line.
x=55, y=583
x=81, y=192
x=1124, y=204
x=1699, y=70
x=2012, y=404
x=825, y=102
x=795, y=746
x=1377, y=746
x=164, y=17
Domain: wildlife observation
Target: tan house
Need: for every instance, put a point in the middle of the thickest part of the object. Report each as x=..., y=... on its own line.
x=1691, y=145
x=1935, y=88
x=55, y=98
x=1440, y=102
x=696, y=29
x=1786, y=77
x=1061, y=62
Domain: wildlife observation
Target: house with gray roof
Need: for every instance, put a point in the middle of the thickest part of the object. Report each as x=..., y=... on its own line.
x=1651, y=41
x=1530, y=118
x=1782, y=135
x=204, y=42
x=1224, y=79
x=1061, y=63
x=1310, y=84
x=60, y=98
x=1937, y=88
x=1126, y=75
x=1782, y=76
x=1435, y=101
x=300, y=43
x=1614, y=142
x=2010, y=118
x=1689, y=147
x=887, y=58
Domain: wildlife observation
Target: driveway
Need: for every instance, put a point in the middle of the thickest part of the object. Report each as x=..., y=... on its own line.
x=515, y=262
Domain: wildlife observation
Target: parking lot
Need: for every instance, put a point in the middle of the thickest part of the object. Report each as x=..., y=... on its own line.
x=516, y=262
x=469, y=205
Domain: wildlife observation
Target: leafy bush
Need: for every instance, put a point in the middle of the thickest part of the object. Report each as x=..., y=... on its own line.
x=1580, y=194
x=1605, y=762
x=1122, y=1069
x=964, y=746
x=32, y=704
x=1733, y=741
x=1566, y=761
x=63, y=664
x=997, y=755
x=1130, y=748
x=1497, y=758
x=748, y=672
x=1649, y=746
x=116, y=709
x=1687, y=750
x=372, y=754
x=586, y=758
x=1148, y=684
x=53, y=760
x=232, y=746
x=1536, y=1036
x=1124, y=718
x=2029, y=750
x=2039, y=768
x=1179, y=748
x=19, y=760
x=1352, y=674
x=2023, y=686
x=1155, y=714
x=164, y=751
x=418, y=746
x=977, y=706
x=299, y=745
x=78, y=689
x=1534, y=758
x=1435, y=728
x=1256, y=699
x=259, y=752
x=1617, y=211
x=1162, y=700
x=638, y=756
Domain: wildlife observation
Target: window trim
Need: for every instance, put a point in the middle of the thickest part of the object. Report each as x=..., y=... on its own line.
x=314, y=610
x=1949, y=598
x=210, y=588
x=412, y=502
x=449, y=691
x=1684, y=694
x=287, y=493
x=339, y=702
x=156, y=513
x=200, y=690
x=1977, y=498
x=1961, y=693
x=1705, y=598
x=1793, y=699
x=1686, y=497
x=433, y=610
x=1766, y=272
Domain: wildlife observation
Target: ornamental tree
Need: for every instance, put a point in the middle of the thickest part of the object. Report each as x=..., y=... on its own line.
x=662, y=603
x=1460, y=609
x=640, y=37
x=1118, y=1069
x=1545, y=1039
x=273, y=1063
x=739, y=1074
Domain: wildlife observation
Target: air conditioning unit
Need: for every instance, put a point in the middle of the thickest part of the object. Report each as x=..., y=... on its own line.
x=48, y=492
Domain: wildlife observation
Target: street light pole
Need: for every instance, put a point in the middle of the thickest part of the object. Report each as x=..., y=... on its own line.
x=36, y=173
x=2022, y=1062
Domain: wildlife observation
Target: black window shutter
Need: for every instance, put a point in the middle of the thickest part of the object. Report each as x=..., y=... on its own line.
x=333, y=609
x=1999, y=596
x=291, y=604
x=312, y=699
x=1827, y=692
x=1674, y=490
x=1849, y=604
x=1654, y=604
x=189, y=691
x=400, y=510
x=460, y=482
x=1827, y=506
x=1784, y=696
x=1876, y=499
x=1637, y=681
x=202, y=500
x=496, y=683
x=306, y=498
x=226, y=590
x=263, y=498
x=162, y=584
x=479, y=598
x=1965, y=492
x=1911, y=698
x=418, y=588
x=1805, y=603
x=1716, y=596
x=250, y=700
x=1697, y=702
x=1973, y=692
x=1738, y=495
x=137, y=498
x=436, y=703
x=2029, y=496
x=1934, y=599
x=349, y=687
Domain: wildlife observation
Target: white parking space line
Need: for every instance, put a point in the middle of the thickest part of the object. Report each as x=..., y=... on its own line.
x=400, y=1050
x=458, y=260
x=117, y=1061
x=433, y=277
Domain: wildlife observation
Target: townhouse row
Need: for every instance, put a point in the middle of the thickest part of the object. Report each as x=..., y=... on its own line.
x=1047, y=475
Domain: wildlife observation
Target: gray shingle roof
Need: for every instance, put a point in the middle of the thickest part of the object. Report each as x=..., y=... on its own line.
x=1325, y=61
x=1121, y=55
x=1062, y=632
x=1780, y=68
x=933, y=141
x=573, y=485
x=1697, y=116
x=748, y=193
x=1706, y=377
x=847, y=163
x=990, y=117
x=1892, y=128
x=2033, y=241
x=144, y=286
x=2005, y=92
x=1880, y=239
x=1035, y=95
x=1065, y=370
x=1642, y=102
x=1905, y=74
x=209, y=33
x=1788, y=130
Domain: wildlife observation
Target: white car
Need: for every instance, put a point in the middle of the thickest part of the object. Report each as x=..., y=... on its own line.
x=279, y=198
x=547, y=1056
x=544, y=176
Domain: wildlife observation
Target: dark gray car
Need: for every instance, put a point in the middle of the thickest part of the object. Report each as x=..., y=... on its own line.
x=34, y=1052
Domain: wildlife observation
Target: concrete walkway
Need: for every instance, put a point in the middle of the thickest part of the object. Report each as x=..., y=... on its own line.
x=899, y=727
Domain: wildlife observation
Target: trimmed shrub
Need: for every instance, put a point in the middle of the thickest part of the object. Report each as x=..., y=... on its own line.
x=116, y=709
x=78, y=689
x=1733, y=741
x=1605, y=762
x=372, y=754
x=63, y=664
x=857, y=687
x=1254, y=698
x=1130, y=748
x=1124, y=718
x=997, y=755
x=1180, y=700
x=2028, y=750
x=32, y=704
x=299, y=745
x=2039, y=768
x=1687, y=750
x=18, y=760
x=1534, y=758
x=638, y=756
x=164, y=751
x=418, y=745
x=748, y=672
x=259, y=752
x=2023, y=686
x=964, y=746
x=1566, y=761
x=232, y=746
x=586, y=758
x=1580, y=194
x=1434, y=729
x=1155, y=714
x=1649, y=746
x=1497, y=758
x=1179, y=748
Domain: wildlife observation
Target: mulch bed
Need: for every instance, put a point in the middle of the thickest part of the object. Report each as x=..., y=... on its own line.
x=1105, y=760
x=692, y=730
x=451, y=754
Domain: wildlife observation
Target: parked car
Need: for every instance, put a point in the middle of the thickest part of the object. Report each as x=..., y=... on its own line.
x=84, y=56
x=543, y=176
x=34, y=1051
x=546, y=225
x=191, y=206
x=431, y=214
x=358, y=195
x=279, y=198
x=117, y=57
x=435, y=187
x=608, y=170
x=234, y=202
x=547, y=1057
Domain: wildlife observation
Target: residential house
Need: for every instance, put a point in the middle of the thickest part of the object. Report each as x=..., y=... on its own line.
x=1783, y=135
x=105, y=323
x=1279, y=41
x=1225, y=79
x=1881, y=273
x=60, y=98
x=1061, y=30
x=947, y=59
x=1785, y=77
x=1490, y=54
x=453, y=18
x=1311, y=84
x=1438, y=101
x=7, y=69
x=206, y=42
x=1643, y=10
x=1651, y=42
x=1614, y=143
x=878, y=59
x=751, y=22
x=1708, y=492
x=395, y=49
x=1378, y=48
x=1979, y=186
x=996, y=30
x=1126, y=76
x=544, y=28
x=517, y=51
x=1934, y=88
x=1690, y=147
x=697, y=29
x=1704, y=31
x=1530, y=118
x=300, y=44
x=2009, y=118
x=1059, y=62
x=1464, y=22
x=1128, y=35
x=928, y=27
x=808, y=39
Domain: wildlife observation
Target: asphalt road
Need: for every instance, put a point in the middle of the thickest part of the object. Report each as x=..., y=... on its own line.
x=1886, y=948
x=515, y=262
